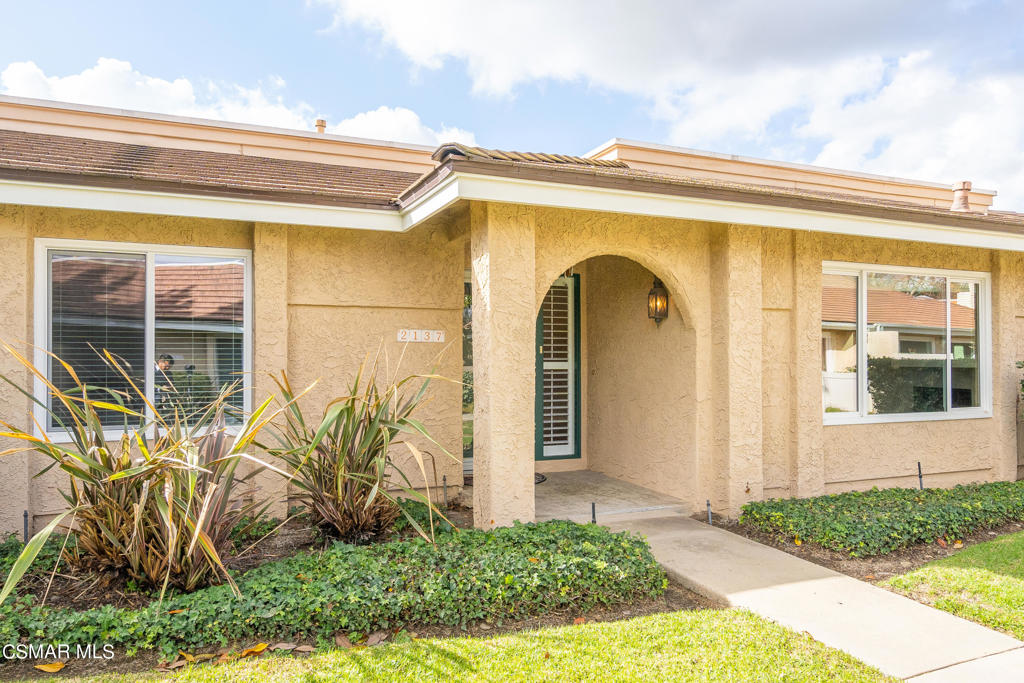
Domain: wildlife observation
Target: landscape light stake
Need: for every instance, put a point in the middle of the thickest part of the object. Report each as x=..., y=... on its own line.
x=593, y=513
x=25, y=522
x=444, y=483
x=920, y=477
x=710, y=523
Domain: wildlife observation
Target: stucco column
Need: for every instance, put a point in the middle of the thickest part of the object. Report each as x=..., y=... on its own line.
x=270, y=335
x=1007, y=270
x=807, y=473
x=504, y=362
x=736, y=331
x=14, y=407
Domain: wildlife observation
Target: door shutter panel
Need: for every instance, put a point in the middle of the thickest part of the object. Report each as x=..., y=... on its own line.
x=559, y=377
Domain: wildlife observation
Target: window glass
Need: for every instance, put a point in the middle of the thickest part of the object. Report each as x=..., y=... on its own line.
x=963, y=330
x=467, y=371
x=906, y=343
x=839, y=343
x=198, y=328
x=97, y=302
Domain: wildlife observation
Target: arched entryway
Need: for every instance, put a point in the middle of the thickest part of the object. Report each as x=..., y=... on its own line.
x=615, y=393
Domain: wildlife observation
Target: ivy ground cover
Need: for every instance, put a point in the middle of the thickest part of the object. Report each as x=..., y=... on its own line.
x=881, y=521
x=504, y=574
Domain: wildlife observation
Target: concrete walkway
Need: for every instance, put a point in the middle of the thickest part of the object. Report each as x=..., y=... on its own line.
x=899, y=636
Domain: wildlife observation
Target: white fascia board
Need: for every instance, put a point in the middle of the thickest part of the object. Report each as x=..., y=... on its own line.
x=437, y=198
x=519, y=191
x=198, y=206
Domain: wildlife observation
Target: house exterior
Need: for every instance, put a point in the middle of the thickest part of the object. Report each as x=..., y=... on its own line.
x=825, y=330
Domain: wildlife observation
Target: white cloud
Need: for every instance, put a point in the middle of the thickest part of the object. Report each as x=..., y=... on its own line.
x=115, y=83
x=899, y=89
x=399, y=123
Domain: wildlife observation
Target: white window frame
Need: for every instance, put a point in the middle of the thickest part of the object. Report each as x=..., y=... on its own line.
x=41, y=313
x=983, y=341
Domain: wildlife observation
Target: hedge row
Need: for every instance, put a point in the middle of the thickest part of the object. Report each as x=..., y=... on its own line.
x=877, y=522
x=503, y=574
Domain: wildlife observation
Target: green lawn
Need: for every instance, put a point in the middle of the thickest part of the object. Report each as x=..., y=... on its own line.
x=983, y=583
x=702, y=645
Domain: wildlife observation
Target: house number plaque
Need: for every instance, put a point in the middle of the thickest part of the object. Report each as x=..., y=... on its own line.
x=421, y=335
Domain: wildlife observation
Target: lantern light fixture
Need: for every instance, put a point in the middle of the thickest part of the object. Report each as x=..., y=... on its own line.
x=657, y=302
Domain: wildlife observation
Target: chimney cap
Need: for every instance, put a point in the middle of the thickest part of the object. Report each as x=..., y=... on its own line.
x=321, y=125
x=961, y=196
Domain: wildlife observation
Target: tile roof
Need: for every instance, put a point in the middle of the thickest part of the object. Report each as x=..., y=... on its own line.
x=618, y=175
x=466, y=152
x=192, y=171
x=886, y=307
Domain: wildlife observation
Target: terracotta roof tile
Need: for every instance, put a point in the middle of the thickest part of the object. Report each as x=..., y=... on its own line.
x=206, y=293
x=839, y=304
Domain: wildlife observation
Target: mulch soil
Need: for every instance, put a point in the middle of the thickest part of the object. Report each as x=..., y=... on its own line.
x=872, y=569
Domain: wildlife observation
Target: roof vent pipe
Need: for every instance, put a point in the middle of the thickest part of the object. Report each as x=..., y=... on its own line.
x=321, y=126
x=961, y=196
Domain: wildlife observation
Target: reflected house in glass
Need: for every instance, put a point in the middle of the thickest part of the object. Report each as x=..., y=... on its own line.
x=196, y=318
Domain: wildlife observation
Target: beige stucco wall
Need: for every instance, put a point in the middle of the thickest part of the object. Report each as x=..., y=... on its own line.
x=640, y=403
x=720, y=402
x=855, y=457
x=323, y=300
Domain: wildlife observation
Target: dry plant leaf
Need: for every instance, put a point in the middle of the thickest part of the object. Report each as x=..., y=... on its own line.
x=287, y=647
x=253, y=651
x=51, y=668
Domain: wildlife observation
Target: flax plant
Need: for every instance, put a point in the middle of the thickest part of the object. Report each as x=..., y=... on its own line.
x=159, y=500
x=343, y=463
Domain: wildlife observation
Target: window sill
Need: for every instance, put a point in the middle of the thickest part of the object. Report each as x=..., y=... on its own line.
x=831, y=419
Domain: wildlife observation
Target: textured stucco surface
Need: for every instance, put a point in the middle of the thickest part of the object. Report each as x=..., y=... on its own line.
x=323, y=300
x=640, y=403
x=502, y=243
x=950, y=451
x=721, y=402
x=14, y=326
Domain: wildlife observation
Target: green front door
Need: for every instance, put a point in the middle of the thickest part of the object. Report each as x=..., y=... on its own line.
x=558, y=372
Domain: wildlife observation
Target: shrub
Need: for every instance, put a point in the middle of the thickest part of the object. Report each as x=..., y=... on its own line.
x=159, y=501
x=343, y=464
x=503, y=574
x=877, y=522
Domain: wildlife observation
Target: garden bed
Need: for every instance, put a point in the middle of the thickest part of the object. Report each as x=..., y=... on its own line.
x=883, y=521
x=875, y=568
x=470, y=580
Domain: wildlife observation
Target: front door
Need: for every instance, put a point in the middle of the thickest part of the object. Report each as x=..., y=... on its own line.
x=558, y=380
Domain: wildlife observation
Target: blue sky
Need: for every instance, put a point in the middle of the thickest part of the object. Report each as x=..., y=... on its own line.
x=931, y=90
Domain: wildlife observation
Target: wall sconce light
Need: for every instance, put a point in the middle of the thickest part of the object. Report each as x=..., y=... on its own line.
x=657, y=302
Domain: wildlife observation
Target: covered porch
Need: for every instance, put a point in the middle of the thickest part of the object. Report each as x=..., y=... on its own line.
x=583, y=496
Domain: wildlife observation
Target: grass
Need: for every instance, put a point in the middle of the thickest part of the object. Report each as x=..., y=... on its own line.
x=983, y=583
x=730, y=645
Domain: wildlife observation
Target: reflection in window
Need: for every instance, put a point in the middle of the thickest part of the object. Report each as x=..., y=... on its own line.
x=467, y=374
x=920, y=338
x=906, y=343
x=839, y=343
x=196, y=324
x=97, y=302
x=198, y=332
x=963, y=329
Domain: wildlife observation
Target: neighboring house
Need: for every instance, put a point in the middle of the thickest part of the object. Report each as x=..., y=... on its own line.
x=823, y=330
